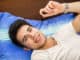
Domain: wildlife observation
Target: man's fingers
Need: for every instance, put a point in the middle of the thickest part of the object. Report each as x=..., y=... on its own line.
x=46, y=10
x=51, y=5
x=50, y=9
x=43, y=14
x=43, y=11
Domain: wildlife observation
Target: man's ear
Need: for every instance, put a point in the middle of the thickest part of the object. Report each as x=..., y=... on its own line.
x=27, y=49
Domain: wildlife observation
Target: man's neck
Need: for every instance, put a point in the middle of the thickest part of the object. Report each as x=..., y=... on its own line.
x=49, y=43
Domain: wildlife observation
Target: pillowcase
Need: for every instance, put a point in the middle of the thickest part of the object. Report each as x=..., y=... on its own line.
x=8, y=51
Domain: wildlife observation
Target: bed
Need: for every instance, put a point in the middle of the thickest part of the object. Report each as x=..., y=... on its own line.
x=12, y=10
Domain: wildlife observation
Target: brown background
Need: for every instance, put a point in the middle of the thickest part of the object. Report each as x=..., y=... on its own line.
x=25, y=8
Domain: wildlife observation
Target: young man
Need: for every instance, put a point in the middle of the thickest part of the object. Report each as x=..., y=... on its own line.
x=64, y=45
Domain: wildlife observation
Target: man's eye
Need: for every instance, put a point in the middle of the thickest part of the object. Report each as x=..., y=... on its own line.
x=25, y=39
x=29, y=29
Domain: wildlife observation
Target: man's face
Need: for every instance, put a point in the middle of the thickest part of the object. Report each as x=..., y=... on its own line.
x=30, y=37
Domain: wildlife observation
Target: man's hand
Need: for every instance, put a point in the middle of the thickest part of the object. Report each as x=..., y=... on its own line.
x=52, y=8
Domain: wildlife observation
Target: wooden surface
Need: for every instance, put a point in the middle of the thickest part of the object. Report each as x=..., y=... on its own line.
x=25, y=8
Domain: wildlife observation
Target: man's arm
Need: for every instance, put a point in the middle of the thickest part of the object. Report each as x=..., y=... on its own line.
x=76, y=23
x=54, y=8
x=72, y=7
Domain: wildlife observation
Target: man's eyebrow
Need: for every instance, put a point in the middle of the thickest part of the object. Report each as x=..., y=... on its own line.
x=29, y=27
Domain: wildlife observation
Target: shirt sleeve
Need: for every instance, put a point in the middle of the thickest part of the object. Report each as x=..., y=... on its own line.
x=40, y=56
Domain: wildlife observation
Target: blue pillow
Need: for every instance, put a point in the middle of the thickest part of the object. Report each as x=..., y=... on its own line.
x=8, y=51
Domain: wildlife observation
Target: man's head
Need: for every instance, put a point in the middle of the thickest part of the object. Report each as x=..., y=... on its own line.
x=24, y=35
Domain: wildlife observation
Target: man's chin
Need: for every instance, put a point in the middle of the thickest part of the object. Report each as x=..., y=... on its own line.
x=42, y=45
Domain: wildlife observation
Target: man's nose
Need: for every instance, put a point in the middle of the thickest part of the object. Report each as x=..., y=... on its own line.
x=32, y=34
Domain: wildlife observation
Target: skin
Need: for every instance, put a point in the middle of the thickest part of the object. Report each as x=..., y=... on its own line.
x=31, y=37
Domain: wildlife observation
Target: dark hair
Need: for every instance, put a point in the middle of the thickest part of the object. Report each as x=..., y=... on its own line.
x=14, y=27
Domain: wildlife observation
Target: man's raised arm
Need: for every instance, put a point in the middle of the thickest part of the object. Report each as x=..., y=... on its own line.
x=54, y=8
x=72, y=7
